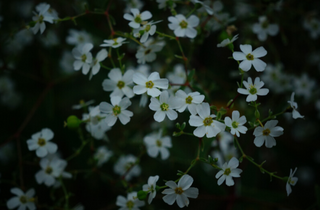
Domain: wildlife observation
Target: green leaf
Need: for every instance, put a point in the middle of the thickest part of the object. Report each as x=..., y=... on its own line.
x=142, y=195
x=183, y=125
x=257, y=114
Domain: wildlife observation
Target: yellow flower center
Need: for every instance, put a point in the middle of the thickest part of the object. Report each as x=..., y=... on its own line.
x=227, y=171
x=189, y=100
x=183, y=24
x=178, y=190
x=250, y=57
x=120, y=84
x=207, y=121
x=149, y=84
x=148, y=27
x=137, y=19
x=266, y=132
x=130, y=204
x=48, y=170
x=235, y=124
x=164, y=107
x=41, y=19
x=84, y=58
x=23, y=199
x=159, y=143
x=41, y=142
x=252, y=90
x=116, y=110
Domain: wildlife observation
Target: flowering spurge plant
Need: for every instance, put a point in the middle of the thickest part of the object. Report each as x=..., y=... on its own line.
x=228, y=171
x=95, y=65
x=147, y=52
x=40, y=17
x=253, y=90
x=264, y=28
x=40, y=142
x=115, y=110
x=126, y=166
x=164, y=106
x=146, y=30
x=291, y=181
x=249, y=58
x=149, y=84
x=130, y=203
x=189, y=101
x=156, y=144
x=265, y=134
x=22, y=200
x=236, y=123
x=118, y=83
x=83, y=58
x=205, y=123
x=180, y=192
x=294, y=106
x=183, y=27
x=150, y=188
x=114, y=43
x=137, y=18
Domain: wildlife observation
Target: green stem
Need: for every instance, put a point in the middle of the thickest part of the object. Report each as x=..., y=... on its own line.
x=165, y=35
x=103, y=66
x=66, y=194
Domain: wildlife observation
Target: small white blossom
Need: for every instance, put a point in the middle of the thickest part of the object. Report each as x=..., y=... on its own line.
x=178, y=76
x=40, y=18
x=313, y=26
x=206, y=7
x=50, y=170
x=267, y=133
x=115, y=110
x=249, y=58
x=102, y=155
x=95, y=65
x=304, y=86
x=189, y=101
x=227, y=41
x=180, y=192
x=156, y=144
x=236, y=123
x=83, y=58
x=118, y=83
x=164, y=4
x=291, y=181
x=294, y=106
x=41, y=143
x=163, y=107
x=150, y=84
x=137, y=18
x=126, y=163
x=228, y=171
x=263, y=28
x=183, y=27
x=151, y=187
x=114, y=43
x=78, y=38
x=148, y=52
x=22, y=200
x=253, y=89
x=130, y=203
x=205, y=124
x=146, y=30
x=82, y=104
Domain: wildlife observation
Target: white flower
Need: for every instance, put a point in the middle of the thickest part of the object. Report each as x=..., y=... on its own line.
x=114, y=43
x=263, y=28
x=137, y=18
x=205, y=123
x=180, y=192
x=41, y=143
x=151, y=187
x=51, y=169
x=127, y=165
x=304, y=85
x=291, y=181
x=83, y=58
x=183, y=27
x=116, y=110
x=178, y=76
x=267, y=133
x=95, y=65
x=150, y=84
x=40, y=18
x=148, y=52
x=164, y=3
x=129, y=203
x=294, y=106
x=144, y=31
x=21, y=200
x=206, y=7
x=253, y=89
x=102, y=155
x=51, y=12
x=227, y=41
x=163, y=107
x=78, y=38
x=236, y=124
x=118, y=83
x=133, y=4
x=228, y=171
x=313, y=26
x=249, y=58
x=96, y=124
x=155, y=143
x=82, y=104
x=191, y=101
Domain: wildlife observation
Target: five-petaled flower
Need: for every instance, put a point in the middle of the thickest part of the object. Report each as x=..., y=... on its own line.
x=249, y=58
x=180, y=192
x=163, y=107
x=156, y=144
x=23, y=200
x=228, y=171
x=137, y=18
x=253, y=89
x=236, y=123
x=294, y=106
x=130, y=203
x=41, y=143
x=183, y=27
x=291, y=181
x=267, y=133
x=150, y=84
x=151, y=187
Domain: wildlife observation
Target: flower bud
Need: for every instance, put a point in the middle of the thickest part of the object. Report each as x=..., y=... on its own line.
x=142, y=195
x=73, y=122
